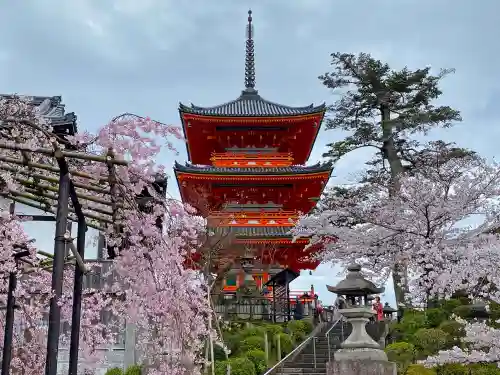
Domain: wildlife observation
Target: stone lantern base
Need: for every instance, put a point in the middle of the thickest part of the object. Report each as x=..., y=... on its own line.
x=361, y=367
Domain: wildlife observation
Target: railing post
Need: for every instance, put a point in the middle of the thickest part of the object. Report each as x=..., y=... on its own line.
x=278, y=346
x=314, y=350
x=329, y=348
x=266, y=347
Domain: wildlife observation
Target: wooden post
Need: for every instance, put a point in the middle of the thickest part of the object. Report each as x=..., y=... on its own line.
x=278, y=346
x=266, y=347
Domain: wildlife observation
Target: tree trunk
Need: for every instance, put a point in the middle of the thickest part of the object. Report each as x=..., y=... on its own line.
x=396, y=167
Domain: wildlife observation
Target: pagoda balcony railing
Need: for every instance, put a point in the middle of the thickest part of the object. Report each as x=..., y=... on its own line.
x=278, y=309
x=262, y=218
x=252, y=159
x=252, y=155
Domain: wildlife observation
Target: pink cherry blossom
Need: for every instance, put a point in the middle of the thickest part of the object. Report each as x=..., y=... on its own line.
x=441, y=225
x=151, y=288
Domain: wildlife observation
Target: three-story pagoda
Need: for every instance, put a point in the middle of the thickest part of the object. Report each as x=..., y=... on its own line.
x=247, y=176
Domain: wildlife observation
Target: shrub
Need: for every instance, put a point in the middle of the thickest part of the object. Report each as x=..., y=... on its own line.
x=453, y=369
x=134, y=370
x=300, y=325
x=221, y=367
x=232, y=341
x=402, y=353
x=463, y=311
x=435, y=317
x=299, y=329
x=219, y=354
x=419, y=370
x=412, y=321
x=251, y=343
x=429, y=341
x=258, y=358
x=272, y=329
x=286, y=343
x=494, y=314
x=114, y=371
x=242, y=366
x=253, y=331
x=454, y=330
x=449, y=305
x=484, y=369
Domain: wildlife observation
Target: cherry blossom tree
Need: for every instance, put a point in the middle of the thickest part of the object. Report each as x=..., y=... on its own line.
x=482, y=345
x=439, y=224
x=442, y=224
x=150, y=236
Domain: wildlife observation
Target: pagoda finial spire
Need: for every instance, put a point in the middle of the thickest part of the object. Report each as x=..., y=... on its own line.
x=250, y=56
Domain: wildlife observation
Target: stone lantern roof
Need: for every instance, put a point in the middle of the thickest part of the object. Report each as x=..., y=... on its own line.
x=355, y=284
x=388, y=309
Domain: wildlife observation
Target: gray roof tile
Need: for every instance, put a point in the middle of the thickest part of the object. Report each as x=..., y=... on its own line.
x=52, y=108
x=189, y=168
x=251, y=104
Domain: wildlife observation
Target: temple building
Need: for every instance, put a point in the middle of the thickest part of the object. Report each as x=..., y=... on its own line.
x=247, y=175
x=52, y=108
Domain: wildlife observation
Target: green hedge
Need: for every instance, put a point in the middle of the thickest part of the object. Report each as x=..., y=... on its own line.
x=428, y=341
x=134, y=370
x=252, y=343
x=239, y=366
x=258, y=358
x=286, y=343
x=434, y=317
x=253, y=331
x=419, y=370
x=299, y=329
x=114, y=371
x=402, y=353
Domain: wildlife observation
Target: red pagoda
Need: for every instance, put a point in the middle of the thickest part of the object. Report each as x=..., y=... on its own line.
x=247, y=176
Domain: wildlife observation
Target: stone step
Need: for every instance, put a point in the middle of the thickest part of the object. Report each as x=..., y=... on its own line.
x=308, y=365
x=299, y=371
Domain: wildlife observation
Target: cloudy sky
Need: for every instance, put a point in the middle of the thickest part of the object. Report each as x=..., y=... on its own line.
x=106, y=57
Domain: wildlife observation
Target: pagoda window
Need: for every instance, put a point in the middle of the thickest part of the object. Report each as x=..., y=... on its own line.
x=231, y=280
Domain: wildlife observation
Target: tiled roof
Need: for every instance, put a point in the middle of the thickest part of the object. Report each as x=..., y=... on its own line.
x=52, y=108
x=251, y=104
x=189, y=168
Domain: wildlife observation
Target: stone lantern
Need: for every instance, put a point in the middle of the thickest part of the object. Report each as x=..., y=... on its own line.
x=359, y=353
x=388, y=311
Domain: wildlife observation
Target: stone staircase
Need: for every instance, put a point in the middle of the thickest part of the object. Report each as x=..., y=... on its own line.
x=303, y=362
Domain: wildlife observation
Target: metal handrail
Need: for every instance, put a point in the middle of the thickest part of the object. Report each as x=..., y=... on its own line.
x=327, y=334
x=312, y=336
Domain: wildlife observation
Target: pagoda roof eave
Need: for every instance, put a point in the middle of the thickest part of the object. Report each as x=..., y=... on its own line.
x=254, y=171
x=251, y=105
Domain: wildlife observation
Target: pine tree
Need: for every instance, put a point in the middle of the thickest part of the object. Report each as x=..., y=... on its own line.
x=385, y=109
